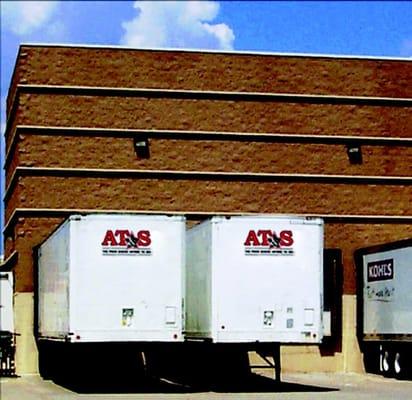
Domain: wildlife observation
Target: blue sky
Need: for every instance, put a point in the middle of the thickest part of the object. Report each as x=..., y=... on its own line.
x=343, y=27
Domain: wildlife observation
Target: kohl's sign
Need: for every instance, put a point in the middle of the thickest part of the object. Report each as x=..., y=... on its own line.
x=380, y=270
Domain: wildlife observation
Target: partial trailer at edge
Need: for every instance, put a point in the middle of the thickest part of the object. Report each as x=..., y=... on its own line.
x=7, y=333
x=6, y=302
x=384, y=294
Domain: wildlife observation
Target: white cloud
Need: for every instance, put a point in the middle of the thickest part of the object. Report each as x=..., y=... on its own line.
x=179, y=24
x=24, y=17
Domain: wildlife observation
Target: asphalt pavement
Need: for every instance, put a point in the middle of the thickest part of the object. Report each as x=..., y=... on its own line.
x=293, y=386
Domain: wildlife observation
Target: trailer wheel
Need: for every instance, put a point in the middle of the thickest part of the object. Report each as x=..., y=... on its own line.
x=46, y=360
x=372, y=358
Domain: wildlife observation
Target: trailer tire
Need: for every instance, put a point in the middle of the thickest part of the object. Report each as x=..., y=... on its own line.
x=44, y=367
x=372, y=358
x=46, y=360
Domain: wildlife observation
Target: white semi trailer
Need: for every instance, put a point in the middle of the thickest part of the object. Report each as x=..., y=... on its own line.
x=385, y=307
x=110, y=281
x=255, y=280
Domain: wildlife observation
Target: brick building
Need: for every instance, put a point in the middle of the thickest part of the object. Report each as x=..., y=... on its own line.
x=93, y=129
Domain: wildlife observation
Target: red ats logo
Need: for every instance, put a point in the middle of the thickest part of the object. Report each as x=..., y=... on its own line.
x=267, y=242
x=123, y=242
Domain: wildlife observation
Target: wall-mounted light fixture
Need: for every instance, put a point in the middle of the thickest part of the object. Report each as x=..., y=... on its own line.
x=354, y=152
x=141, y=147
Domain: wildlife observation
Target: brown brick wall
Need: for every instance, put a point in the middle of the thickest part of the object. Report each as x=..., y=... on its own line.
x=12, y=165
x=201, y=71
x=9, y=245
x=196, y=71
x=194, y=155
x=208, y=115
x=11, y=201
x=195, y=195
x=30, y=232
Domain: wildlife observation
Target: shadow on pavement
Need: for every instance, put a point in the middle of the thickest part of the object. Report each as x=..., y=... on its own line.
x=162, y=368
x=106, y=386
x=251, y=383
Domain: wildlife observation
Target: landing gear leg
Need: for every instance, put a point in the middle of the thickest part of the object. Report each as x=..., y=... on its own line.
x=276, y=359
